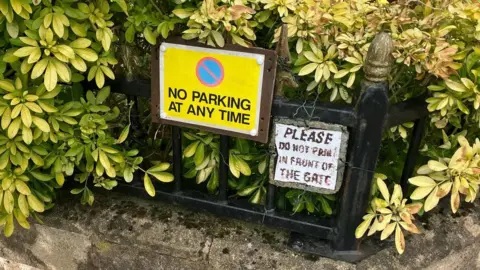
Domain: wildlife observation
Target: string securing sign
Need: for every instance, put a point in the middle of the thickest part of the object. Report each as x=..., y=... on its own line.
x=228, y=91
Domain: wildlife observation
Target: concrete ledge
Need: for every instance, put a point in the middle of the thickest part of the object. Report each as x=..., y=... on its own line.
x=120, y=232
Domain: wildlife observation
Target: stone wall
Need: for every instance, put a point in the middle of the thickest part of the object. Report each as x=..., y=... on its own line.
x=120, y=232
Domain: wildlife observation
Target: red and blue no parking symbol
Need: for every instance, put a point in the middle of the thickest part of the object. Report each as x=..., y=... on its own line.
x=210, y=71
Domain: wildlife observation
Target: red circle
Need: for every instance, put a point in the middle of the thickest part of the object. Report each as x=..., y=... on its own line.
x=218, y=80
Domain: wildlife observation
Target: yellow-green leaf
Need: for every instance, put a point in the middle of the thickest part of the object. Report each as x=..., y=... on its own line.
x=41, y=124
x=16, y=111
x=6, y=118
x=102, y=95
x=99, y=78
x=7, y=182
x=26, y=116
x=243, y=167
x=262, y=166
x=468, y=83
x=383, y=189
x=21, y=219
x=190, y=149
x=218, y=38
x=431, y=201
x=312, y=57
x=39, y=68
x=149, y=36
x=123, y=5
x=182, y=13
x=199, y=154
x=351, y=80
x=87, y=54
x=319, y=73
x=387, y=231
x=22, y=187
x=58, y=25
x=162, y=176
x=455, y=86
x=9, y=227
x=363, y=227
x=160, y=167
x=41, y=176
x=106, y=41
x=436, y=166
x=123, y=135
x=399, y=240
x=444, y=189
x=50, y=78
x=60, y=178
x=29, y=41
x=233, y=166
x=422, y=181
x=23, y=205
x=12, y=29
x=35, y=203
x=25, y=67
x=13, y=128
x=307, y=69
x=4, y=160
x=27, y=136
x=247, y=191
x=79, y=64
x=62, y=70
x=108, y=72
x=7, y=86
x=420, y=193
x=34, y=56
x=33, y=107
x=79, y=29
x=147, y=183
x=16, y=5
x=340, y=74
x=25, y=51
x=103, y=159
x=47, y=20
x=81, y=43
x=353, y=60
x=8, y=201
x=46, y=107
x=424, y=169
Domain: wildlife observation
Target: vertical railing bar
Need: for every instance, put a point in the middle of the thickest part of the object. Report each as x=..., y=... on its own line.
x=271, y=195
x=372, y=109
x=223, y=170
x=177, y=157
x=137, y=105
x=416, y=139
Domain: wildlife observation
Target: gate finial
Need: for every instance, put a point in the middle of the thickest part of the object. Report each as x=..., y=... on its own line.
x=379, y=58
x=282, y=49
x=284, y=76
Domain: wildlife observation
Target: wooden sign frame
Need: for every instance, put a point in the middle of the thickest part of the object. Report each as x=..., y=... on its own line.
x=267, y=91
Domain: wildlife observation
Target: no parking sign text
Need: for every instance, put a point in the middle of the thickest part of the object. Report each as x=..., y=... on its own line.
x=226, y=90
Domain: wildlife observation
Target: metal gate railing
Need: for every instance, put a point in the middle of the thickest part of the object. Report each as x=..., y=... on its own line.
x=366, y=120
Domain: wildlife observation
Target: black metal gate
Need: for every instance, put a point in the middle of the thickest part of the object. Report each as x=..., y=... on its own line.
x=366, y=121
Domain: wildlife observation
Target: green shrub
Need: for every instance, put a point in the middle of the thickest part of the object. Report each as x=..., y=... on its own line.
x=51, y=129
x=436, y=54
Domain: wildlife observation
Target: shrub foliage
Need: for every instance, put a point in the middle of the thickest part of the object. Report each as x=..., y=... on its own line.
x=52, y=129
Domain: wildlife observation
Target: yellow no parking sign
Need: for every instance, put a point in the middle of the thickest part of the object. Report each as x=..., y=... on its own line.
x=224, y=90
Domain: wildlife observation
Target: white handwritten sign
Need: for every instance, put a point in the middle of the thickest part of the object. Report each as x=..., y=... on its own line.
x=308, y=157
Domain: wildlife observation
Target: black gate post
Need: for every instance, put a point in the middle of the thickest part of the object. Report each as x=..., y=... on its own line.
x=372, y=109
